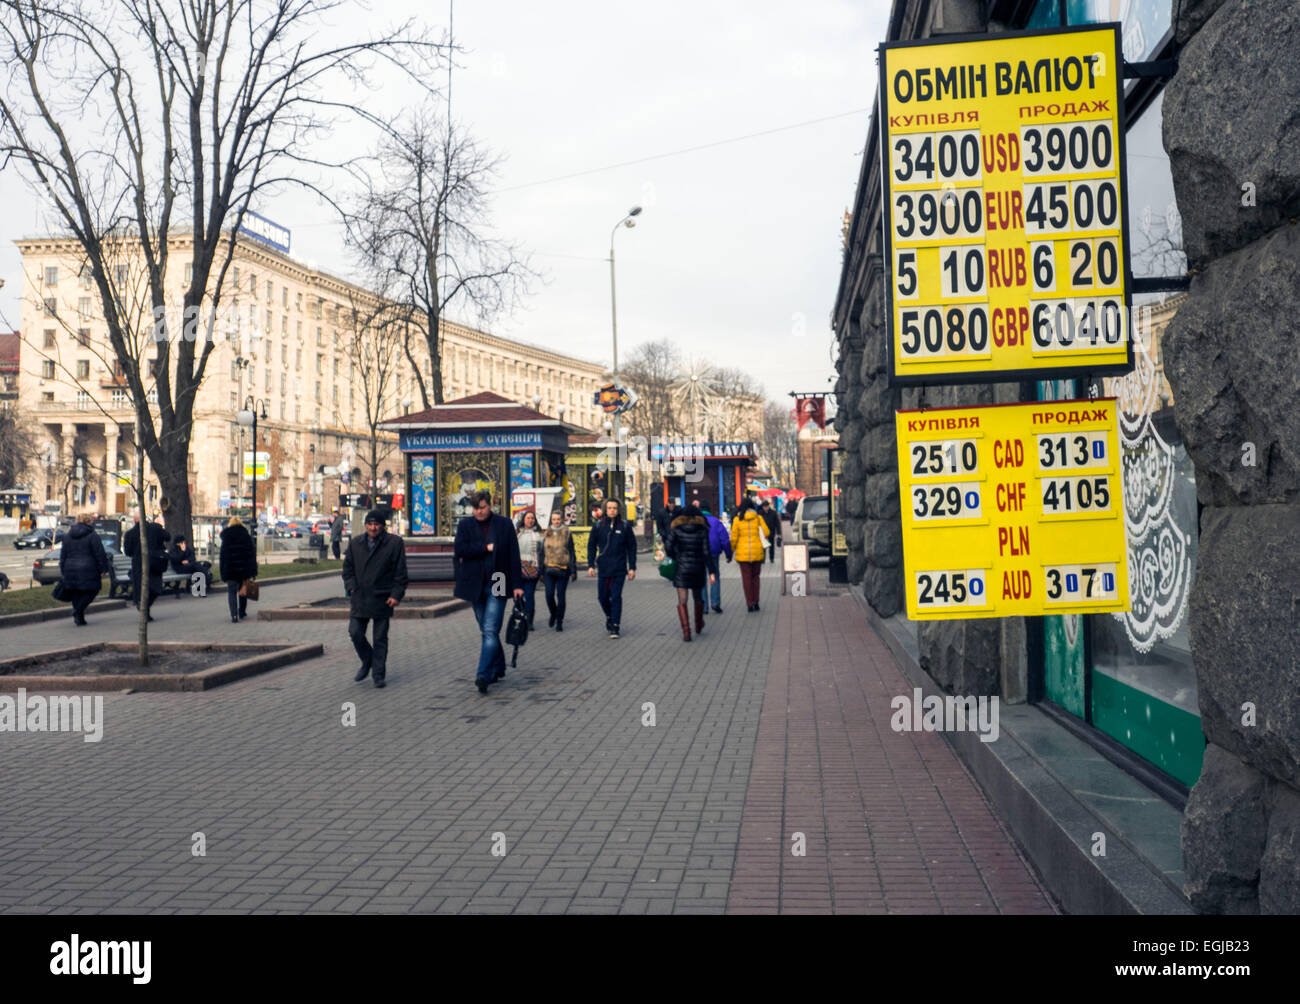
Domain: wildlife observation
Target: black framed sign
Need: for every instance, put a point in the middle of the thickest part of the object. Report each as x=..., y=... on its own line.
x=1004, y=206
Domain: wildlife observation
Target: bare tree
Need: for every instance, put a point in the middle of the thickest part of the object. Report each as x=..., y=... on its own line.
x=652, y=370
x=373, y=342
x=19, y=447
x=423, y=225
x=138, y=120
x=780, y=446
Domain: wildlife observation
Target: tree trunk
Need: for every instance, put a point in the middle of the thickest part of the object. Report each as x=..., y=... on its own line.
x=142, y=594
x=435, y=355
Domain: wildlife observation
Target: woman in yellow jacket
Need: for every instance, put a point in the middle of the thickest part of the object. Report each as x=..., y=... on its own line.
x=749, y=544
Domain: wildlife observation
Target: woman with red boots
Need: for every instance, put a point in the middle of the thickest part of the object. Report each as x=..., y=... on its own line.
x=688, y=546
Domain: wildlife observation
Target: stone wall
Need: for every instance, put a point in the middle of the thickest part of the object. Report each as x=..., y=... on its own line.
x=1232, y=357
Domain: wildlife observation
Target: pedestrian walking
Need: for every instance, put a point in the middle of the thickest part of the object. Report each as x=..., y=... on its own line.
x=719, y=544
x=487, y=571
x=530, y=560
x=611, y=555
x=791, y=511
x=748, y=542
x=688, y=546
x=336, y=533
x=664, y=518
x=157, y=540
x=773, y=523
x=374, y=575
x=83, y=563
x=237, y=562
x=559, y=567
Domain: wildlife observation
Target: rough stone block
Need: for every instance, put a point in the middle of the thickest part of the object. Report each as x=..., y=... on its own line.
x=1224, y=829
x=879, y=449
x=1279, y=876
x=1233, y=360
x=882, y=496
x=1244, y=604
x=1193, y=16
x=1229, y=120
x=855, y=565
x=882, y=542
x=878, y=402
x=963, y=657
x=883, y=589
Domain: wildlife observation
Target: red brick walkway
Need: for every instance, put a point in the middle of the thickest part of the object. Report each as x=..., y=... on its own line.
x=892, y=822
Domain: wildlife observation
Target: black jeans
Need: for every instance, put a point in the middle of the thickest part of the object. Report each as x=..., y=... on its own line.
x=557, y=584
x=375, y=656
x=81, y=598
x=336, y=548
x=237, y=609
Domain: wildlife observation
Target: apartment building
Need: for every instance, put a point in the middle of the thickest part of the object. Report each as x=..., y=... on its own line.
x=285, y=336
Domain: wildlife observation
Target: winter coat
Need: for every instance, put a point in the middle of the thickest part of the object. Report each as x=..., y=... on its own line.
x=611, y=548
x=371, y=577
x=719, y=538
x=158, y=538
x=749, y=537
x=773, y=522
x=336, y=529
x=476, y=565
x=663, y=518
x=560, y=542
x=82, y=559
x=182, y=561
x=688, y=545
x=238, y=560
x=530, y=551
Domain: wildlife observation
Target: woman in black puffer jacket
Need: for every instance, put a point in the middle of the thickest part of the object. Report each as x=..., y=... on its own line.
x=688, y=546
x=238, y=562
x=82, y=563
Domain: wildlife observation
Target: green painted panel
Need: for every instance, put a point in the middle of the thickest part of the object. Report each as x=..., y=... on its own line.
x=1167, y=736
x=1063, y=662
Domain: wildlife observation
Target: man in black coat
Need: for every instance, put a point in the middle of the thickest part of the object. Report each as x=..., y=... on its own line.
x=487, y=571
x=611, y=555
x=82, y=564
x=664, y=518
x=157, y=541
x=374, y=574
x=336, y=532
x=237, y=563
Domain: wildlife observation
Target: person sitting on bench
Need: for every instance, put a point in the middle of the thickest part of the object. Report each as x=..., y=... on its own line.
x=181, y=557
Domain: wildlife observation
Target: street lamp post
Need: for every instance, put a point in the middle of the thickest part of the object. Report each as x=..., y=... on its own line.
x=626, y=221
x=246, y=418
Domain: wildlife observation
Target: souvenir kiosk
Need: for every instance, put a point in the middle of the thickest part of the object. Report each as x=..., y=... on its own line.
x=710, y=474
x=481, y=442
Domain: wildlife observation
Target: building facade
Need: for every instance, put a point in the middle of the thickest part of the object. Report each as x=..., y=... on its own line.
x=286, y=336
x=1208, y=459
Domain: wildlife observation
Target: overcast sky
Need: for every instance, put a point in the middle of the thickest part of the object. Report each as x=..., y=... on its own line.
x=738, y=247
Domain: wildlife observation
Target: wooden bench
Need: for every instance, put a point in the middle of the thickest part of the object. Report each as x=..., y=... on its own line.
x=119, y=579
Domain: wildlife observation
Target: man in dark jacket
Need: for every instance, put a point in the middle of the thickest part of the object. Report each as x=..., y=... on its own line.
x=182, y=560
x=611, y=555
x=336, y=532
x=665, y=517
x=487, y=571
x=773, y=523
x=374, y=574
x=82, y=564
x=157, y=541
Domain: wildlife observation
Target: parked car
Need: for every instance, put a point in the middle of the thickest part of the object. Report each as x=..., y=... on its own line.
x=45, y=570
x=39, y=539
x=814, y=517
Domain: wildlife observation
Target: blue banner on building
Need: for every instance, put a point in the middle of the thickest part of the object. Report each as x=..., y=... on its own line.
x=425, y=442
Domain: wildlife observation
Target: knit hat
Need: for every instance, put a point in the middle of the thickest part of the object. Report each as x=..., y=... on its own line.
x=377, y=516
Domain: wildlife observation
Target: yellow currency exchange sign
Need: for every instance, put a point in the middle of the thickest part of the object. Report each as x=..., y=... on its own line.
x=1005, y=207
x=1012, y=510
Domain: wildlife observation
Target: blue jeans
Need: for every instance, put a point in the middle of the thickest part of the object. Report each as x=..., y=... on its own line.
x=530, y=597
x=489, y=611
x=610, y=594
x=712, y=592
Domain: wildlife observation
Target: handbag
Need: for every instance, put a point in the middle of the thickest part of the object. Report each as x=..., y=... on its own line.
x=249, y=589
x=60, y=592
x=668, y=569
x=517, y=630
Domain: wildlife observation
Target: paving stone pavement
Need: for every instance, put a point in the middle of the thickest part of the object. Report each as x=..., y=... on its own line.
x=598, y=812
